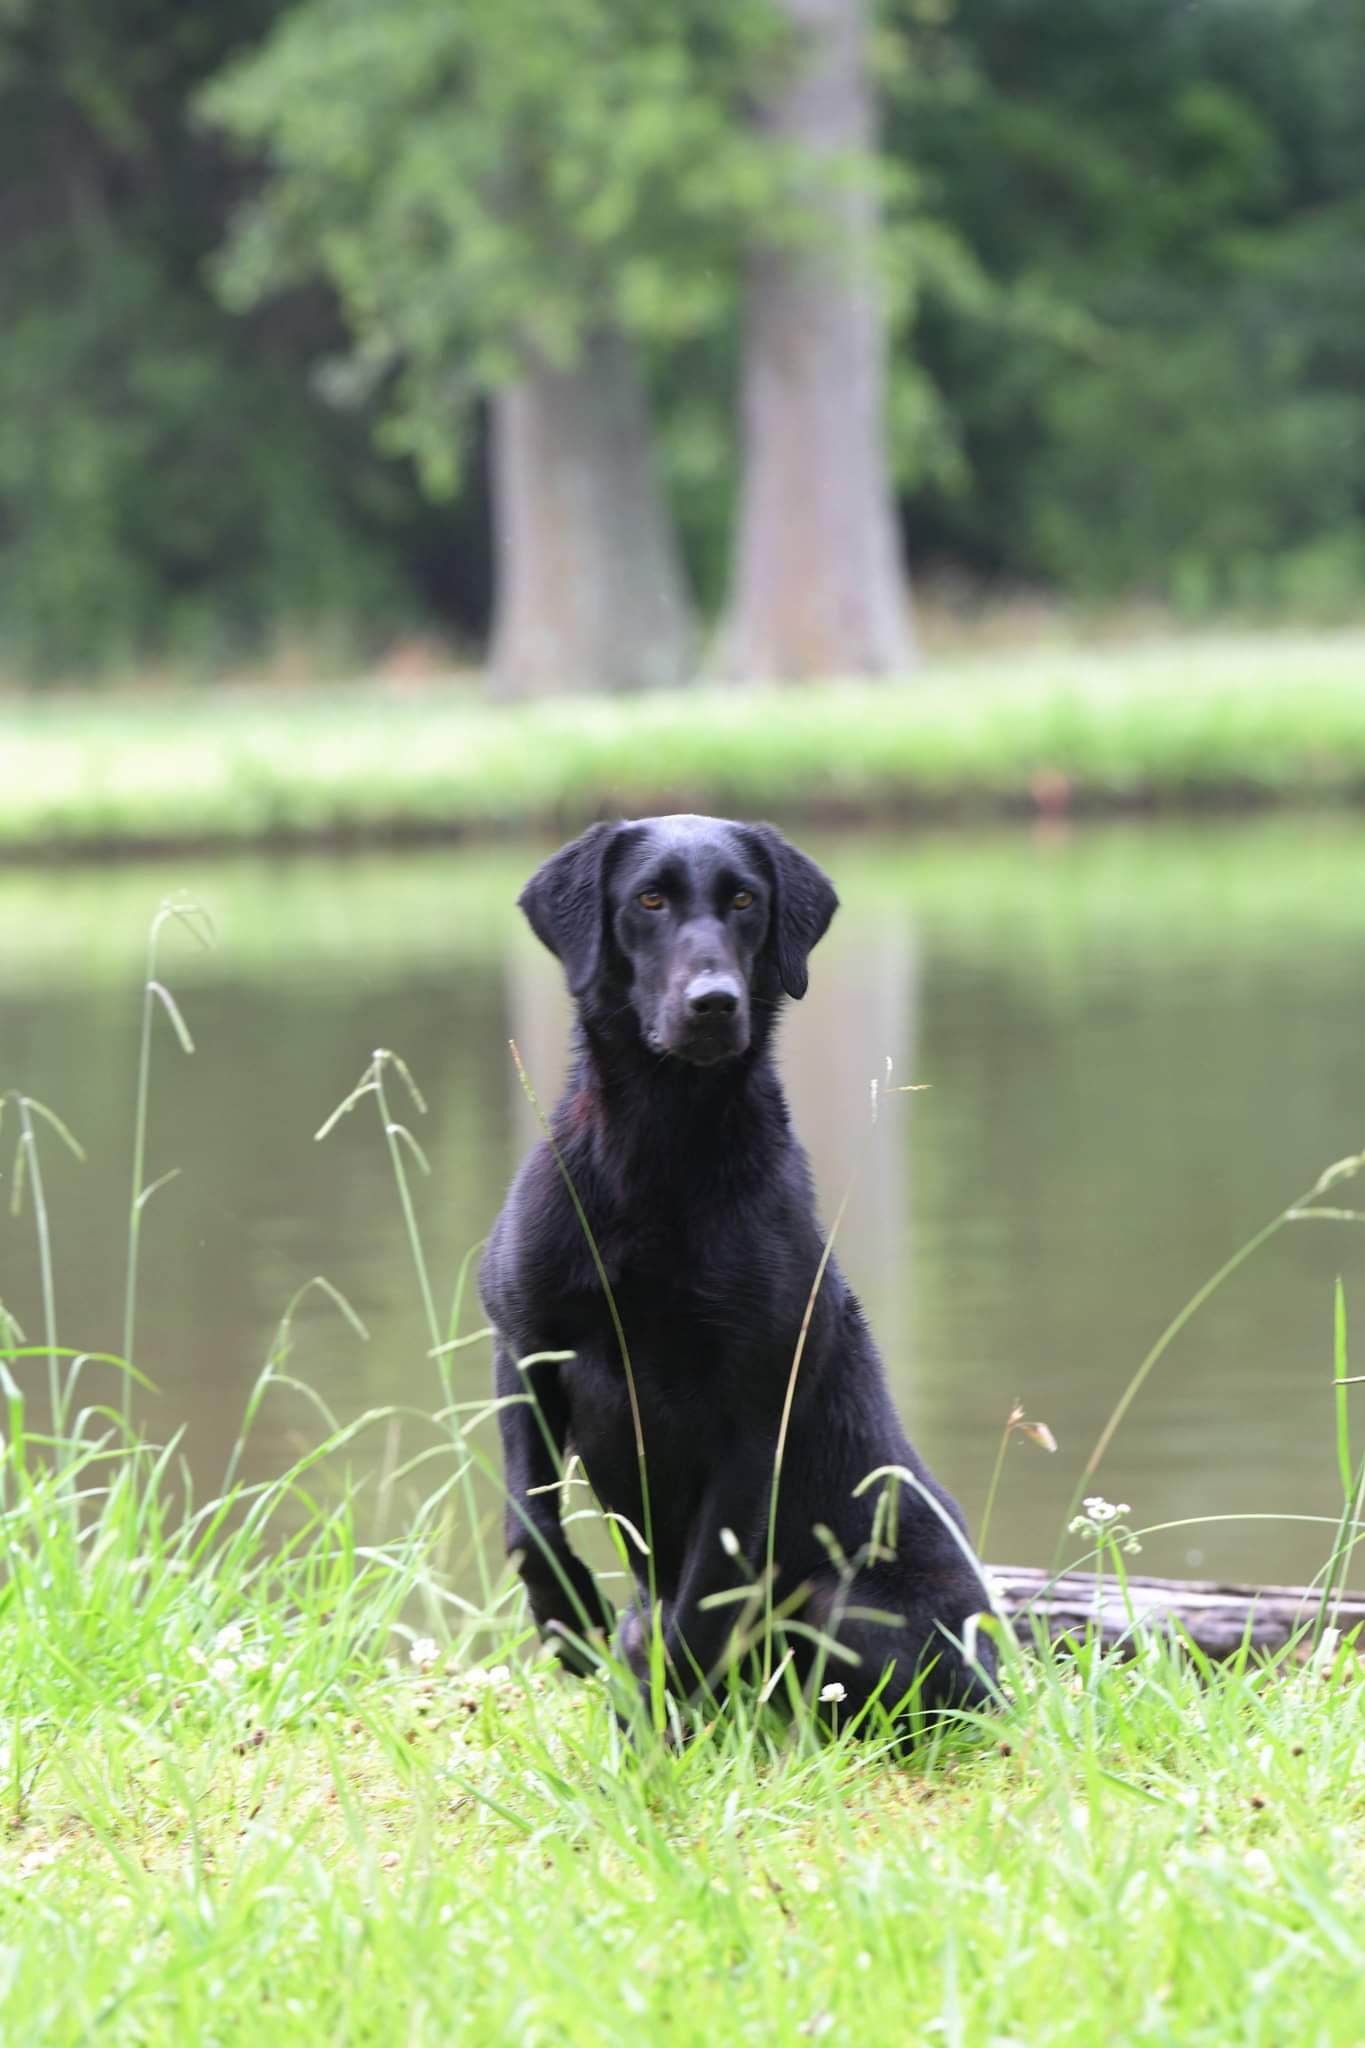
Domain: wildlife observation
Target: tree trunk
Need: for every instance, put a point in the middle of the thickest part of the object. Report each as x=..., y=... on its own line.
x=589, y=585
x=818, y=584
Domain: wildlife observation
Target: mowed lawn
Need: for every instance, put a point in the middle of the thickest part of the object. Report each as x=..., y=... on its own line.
x=1200, y=720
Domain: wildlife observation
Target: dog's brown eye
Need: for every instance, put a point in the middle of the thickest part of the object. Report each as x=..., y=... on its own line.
x=650, y=899
x=742, y=899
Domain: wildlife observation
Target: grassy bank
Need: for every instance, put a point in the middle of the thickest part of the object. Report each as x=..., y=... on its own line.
x=1188, y=722
x=249, y=1798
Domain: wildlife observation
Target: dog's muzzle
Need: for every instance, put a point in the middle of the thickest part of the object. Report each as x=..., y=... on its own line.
x=708, y=1019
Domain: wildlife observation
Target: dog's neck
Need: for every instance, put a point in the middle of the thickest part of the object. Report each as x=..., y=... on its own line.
x=645, y=1118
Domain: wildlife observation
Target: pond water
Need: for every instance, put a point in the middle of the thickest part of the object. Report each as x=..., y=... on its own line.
x=1140, y=1043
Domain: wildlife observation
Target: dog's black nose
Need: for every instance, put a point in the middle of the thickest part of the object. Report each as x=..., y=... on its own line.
x=713, y=995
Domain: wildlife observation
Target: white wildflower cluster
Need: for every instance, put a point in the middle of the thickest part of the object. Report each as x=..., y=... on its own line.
x=1103, y=1522
x=231, y=1660
x=485, y=1675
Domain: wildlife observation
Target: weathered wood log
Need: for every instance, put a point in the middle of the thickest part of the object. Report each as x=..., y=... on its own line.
x=1219, y=1619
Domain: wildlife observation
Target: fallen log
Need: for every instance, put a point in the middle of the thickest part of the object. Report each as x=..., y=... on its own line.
x=1219, y=1619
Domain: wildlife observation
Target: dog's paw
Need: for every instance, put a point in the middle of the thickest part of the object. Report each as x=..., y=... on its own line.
x=578, y=1649
x=567, y=1604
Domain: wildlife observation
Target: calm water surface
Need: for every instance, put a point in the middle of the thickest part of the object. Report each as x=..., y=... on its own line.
x=1139, y=1044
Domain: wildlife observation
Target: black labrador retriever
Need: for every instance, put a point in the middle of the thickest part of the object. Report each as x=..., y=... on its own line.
x=679, y=938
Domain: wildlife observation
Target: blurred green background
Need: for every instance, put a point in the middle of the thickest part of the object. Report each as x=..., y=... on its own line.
x=266, y=261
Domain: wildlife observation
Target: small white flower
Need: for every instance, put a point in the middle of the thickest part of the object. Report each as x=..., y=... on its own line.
x=833, y=1691
x=484, y=1675
x=424, y=1653
x=228, y=1641
x=196, y=1655
x=254, y=1661
x=223, y=1669
x=1102, y=1518
x=1101, y=1510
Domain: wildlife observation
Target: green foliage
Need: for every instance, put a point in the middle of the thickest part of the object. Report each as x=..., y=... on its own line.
x=169, y=489
x=1120, y=263
x=168, y=482
x=483, y=184
x=1184, y=184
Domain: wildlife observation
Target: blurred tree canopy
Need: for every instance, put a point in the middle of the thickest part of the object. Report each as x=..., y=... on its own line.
x=1183, y=183
x=170, y=480
x=512, y=199
x=241, y=387
x=497, y=175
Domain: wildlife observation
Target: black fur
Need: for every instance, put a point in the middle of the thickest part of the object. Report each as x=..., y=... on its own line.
x=679, y=938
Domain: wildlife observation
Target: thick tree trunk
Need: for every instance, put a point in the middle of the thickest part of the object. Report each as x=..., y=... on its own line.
x=818, y=583
x=590, y=591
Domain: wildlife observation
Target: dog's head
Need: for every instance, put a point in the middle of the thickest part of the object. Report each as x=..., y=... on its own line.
x=692, y=926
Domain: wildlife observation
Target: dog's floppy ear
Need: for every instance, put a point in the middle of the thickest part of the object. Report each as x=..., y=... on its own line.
x=563, y=902
x=804, y=904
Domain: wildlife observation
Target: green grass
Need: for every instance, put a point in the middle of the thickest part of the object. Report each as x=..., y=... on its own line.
x=237, y=1811
x=1263, y=718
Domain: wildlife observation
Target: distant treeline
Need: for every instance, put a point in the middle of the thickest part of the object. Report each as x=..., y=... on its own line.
x=1123, y=247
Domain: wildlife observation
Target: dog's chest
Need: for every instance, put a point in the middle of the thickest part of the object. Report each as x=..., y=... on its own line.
x=691, y=1408
x=707, y=1350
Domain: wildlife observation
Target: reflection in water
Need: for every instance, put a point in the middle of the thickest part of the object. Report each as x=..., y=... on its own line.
x=1138, y=1044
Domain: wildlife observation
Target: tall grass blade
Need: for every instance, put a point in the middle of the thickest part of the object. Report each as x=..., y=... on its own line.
x=28, y=1168
x=1340, y=1364
x=194, y=919
x=396, y=1136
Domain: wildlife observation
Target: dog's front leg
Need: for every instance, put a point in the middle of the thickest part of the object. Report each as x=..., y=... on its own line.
x=724, y=1534
x=564, y=1596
